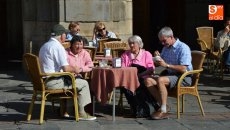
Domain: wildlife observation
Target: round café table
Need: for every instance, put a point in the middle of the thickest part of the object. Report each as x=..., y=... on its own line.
x=104, y=80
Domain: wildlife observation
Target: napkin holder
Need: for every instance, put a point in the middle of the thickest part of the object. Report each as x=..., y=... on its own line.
x=116, y=62
x=107, y=52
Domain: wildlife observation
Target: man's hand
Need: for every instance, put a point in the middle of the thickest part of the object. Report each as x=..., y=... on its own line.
x=157, y=53
x=162, y=63
x=227, y=29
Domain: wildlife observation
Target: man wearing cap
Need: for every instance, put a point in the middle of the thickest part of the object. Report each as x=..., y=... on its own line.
x=53, y=58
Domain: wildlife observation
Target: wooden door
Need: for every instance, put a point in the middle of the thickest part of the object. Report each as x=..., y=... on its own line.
x=149, y=16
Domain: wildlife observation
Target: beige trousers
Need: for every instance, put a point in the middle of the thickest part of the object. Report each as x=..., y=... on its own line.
x=82, y=85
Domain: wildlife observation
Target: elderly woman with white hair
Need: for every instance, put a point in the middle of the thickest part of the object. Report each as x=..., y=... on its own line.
x=138, y=56
x=142, y=59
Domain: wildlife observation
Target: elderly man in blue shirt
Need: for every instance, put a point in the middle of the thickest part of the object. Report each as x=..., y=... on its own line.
x=176, y=58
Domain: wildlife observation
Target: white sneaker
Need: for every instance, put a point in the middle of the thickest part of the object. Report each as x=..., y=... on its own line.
x=86, y=117
x=66, y=115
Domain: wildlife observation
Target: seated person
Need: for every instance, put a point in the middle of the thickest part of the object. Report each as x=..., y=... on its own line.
x=137, y=55
x=100, y=32
x=223, y=42
x=74, y=29
x=142, y=59
x=77, y=56
x=176, y=58
x=53, y=58
x=223, y=36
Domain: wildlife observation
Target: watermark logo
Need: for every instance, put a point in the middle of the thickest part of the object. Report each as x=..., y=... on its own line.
x=215, y=12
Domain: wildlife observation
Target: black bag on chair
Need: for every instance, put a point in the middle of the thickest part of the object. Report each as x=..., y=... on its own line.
x=140, y=68
x=141, y=102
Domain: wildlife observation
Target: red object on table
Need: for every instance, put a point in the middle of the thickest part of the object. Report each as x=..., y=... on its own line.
x=103, y=81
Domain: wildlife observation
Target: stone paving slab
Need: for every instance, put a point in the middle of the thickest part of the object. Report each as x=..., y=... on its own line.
x=16, y=92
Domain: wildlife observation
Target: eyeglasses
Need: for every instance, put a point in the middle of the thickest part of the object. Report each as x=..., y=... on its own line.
x=100, y=30
x=165, y=39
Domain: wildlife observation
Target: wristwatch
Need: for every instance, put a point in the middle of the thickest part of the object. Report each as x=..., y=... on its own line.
x=167, y=66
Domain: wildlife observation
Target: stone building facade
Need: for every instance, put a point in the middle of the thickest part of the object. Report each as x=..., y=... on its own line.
x=25, y=24
x=39, y=18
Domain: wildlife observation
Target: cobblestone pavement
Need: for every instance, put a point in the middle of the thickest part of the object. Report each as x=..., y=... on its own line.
x=16, y=91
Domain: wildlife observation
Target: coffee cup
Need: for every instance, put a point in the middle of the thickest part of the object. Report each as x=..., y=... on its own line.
x=156, y=58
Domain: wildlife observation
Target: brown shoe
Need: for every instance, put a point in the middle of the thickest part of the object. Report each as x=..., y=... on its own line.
x=168, y=108
x=159, y=115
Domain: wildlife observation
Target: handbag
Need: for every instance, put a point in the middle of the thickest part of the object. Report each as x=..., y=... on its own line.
x=140, y=68
x=141, y=102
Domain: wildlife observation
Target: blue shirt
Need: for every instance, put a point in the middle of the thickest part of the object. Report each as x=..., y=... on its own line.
x=177, y=54
x=98, y=37
x=69, y=36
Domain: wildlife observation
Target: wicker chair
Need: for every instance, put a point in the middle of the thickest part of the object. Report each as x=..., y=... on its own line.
x=117, y=52
x=197, y=62
x=66, y=44
x=39, y=79
x=100, y=49
x=205, y=38
x=92, y=52
x=206, y=41
x=116, y=44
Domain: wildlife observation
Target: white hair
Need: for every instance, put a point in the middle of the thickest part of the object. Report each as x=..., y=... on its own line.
x=165, y=31
x=137, y=39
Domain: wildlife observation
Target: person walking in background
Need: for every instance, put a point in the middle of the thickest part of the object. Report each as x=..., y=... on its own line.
x=176, y=58
x=53, y=58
